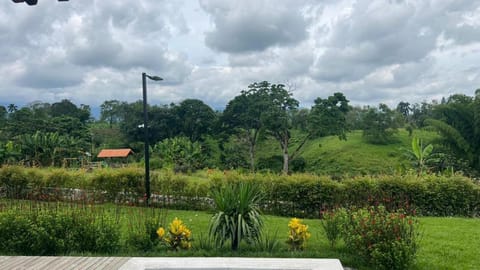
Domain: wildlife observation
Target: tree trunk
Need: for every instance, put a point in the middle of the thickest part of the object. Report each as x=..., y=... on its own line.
x=252, y=157
x=286, y=158
x=285, y=162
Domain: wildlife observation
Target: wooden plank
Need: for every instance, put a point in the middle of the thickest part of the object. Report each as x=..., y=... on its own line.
x=67, y=262
x=60, y=263
x=102, y=263
x=117, y=262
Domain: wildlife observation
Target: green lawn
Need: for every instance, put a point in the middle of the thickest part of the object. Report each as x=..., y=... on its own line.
x=449, y=243
x=446, y=243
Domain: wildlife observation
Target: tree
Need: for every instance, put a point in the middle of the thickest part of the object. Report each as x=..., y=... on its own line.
x=328, y=117
x=194, y=118
x=67, y=108
x=379, y=125
x=404, y=109
x=12, y=108
x=110, y=112
x=458, y=121
x=354, y=117
x=181, y=153
x=277, y=118
x=46, y=148
x=243, y=116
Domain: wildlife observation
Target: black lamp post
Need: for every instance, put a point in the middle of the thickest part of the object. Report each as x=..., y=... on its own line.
x=145, y=126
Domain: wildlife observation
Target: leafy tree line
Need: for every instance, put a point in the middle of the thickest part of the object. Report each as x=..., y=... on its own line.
x=191, y=135
x=42, y=134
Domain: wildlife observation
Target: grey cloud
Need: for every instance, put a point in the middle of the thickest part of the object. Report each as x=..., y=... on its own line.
x=247, y=26
x=50, y=75
x=375, y=34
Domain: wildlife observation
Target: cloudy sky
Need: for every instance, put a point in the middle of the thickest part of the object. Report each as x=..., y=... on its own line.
x=384, y=51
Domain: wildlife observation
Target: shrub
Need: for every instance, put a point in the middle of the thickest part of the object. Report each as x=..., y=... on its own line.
x=142, y=229
x=238, y=215
x=177, y=237
x=51, y=230
x=119, y=184
x=15, y=181
x=387, y=240
x=332, y=225
x=298, y=164
x=297, y=234
x=17, y=233
x=272, y=163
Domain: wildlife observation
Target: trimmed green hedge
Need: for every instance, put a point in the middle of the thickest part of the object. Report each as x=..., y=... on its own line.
x=301, y=195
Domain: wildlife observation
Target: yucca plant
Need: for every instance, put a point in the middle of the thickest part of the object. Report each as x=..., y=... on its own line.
x=238, y=215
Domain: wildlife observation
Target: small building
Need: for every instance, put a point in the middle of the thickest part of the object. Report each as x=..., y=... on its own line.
x=115, y=156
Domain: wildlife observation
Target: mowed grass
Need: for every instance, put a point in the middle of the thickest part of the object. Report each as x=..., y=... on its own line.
x=446, y=243
x=449, y=243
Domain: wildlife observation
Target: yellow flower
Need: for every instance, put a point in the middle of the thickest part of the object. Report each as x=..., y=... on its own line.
x=175, y=226
x=294, y=222
x=187, y=233
x=161, y=232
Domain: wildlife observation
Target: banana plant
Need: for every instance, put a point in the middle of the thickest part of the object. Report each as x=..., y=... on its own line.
x=420, y=153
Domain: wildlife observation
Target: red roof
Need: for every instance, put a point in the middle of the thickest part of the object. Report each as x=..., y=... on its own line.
x=109, y=153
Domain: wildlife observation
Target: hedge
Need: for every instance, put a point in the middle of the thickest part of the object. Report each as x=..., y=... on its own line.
x=301, y=195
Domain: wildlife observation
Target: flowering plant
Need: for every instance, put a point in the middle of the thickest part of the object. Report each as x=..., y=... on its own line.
x=178, y=235
x=386, y=239
x=298, y=234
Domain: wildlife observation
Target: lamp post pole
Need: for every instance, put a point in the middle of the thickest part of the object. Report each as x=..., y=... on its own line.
x=145, y=126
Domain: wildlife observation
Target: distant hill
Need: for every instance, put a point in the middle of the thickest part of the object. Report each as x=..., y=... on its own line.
x=331, y=156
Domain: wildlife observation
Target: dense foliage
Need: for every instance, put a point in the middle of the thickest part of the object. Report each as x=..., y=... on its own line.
x=299, y=195
x=64, y=134
x=385, y=239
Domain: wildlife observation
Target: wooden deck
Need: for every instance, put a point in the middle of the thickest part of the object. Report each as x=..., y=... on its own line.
x=60, y=263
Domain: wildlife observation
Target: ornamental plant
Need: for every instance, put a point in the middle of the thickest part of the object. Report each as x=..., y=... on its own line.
x=238, y=214
x=386, y=240
x=332, y=225
x=297, y=235
x=177, y=237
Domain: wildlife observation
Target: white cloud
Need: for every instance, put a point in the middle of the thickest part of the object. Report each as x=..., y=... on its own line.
x=373, y=51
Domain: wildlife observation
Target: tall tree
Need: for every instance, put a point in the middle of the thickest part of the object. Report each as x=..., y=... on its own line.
x=243, y=116
x=328, y=117
x=277, y=118
x=12, y=108
x=404, y=109
x=110, y=112
x=67, y=108
x=194, y=118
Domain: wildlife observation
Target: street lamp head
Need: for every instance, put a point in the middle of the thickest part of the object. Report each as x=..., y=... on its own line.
x=154, y=78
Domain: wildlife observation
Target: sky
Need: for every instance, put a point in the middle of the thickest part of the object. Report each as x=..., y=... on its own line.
x=385, y=51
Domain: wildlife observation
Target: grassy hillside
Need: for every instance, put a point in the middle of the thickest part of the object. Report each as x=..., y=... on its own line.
x=355, y=156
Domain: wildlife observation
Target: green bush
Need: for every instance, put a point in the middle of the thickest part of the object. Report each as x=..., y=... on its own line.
x=15, y=181
x=300, y=195
x=119, y=185
x=51, y=230
x=272, y=163
x=17, y=232
x=298, y=164
x=387, y=240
